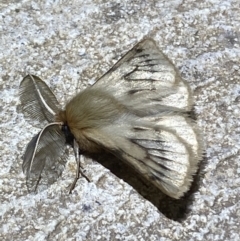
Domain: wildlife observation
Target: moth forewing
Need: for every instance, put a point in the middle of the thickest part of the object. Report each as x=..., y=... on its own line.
x=37, y=100
x=145, y=70
x=155, y=151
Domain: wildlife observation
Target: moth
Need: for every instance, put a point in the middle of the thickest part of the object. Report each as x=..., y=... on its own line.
x=137, y=111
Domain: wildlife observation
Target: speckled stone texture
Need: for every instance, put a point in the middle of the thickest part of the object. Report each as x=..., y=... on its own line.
x=70, y=44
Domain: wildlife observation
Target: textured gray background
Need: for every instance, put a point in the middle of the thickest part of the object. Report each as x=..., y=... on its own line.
x=71, y=43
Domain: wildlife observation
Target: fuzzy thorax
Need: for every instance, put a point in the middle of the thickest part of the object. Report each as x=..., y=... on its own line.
x=89, y=111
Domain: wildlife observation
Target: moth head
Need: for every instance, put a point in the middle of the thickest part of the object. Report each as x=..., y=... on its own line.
x=62, y=118
x=68, y=134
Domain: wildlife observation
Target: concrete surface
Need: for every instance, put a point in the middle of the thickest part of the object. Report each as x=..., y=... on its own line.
x=70, y=44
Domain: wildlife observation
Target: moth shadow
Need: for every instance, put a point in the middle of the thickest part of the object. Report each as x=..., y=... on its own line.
x=175, y=209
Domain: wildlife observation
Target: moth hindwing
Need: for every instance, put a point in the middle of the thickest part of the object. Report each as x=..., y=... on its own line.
x=138, y=111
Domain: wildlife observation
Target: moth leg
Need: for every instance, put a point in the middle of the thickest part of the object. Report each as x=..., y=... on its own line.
x=81, y=172
x=78, y=170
